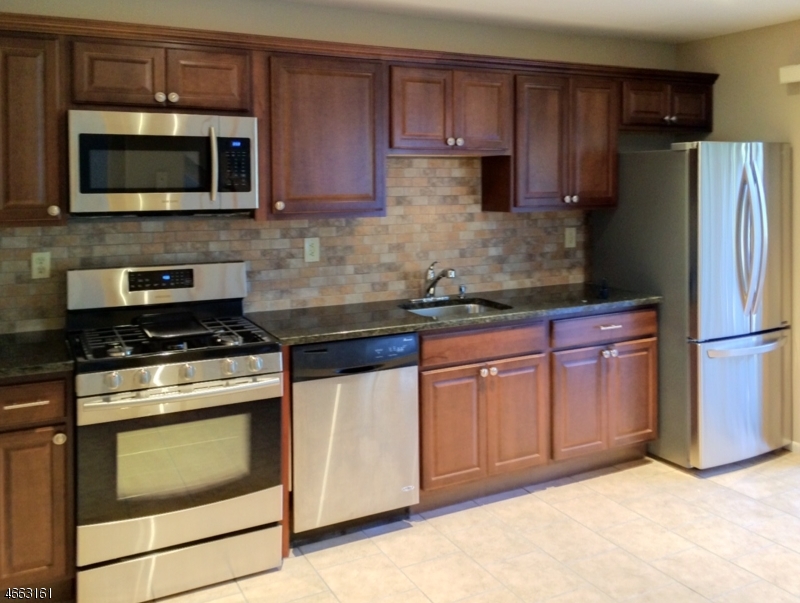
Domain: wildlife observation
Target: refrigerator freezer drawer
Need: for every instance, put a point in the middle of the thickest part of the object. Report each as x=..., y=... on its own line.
x=741, y=398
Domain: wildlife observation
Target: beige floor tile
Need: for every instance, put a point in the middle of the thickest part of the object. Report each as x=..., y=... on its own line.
x=619, y=574
x=535, y=576
x=297, y=579
x=568, y=540
x=788, y=502
x=411, y=596
x=457, y=517
x=645, y=467
x=646, y=539
x=775, y=564
x=670, y=593
x=783, y=529
x=227, y=592
x=761, y=486
x=596, y=512
x=736, y=507
x=413, y=543
x=524, y=513
x=334, y=551
x=758, y=592
x=557, y=490
x=666, y=509
x=326, y=597
x=722, y=537
x=582, y=595
x=704, y=572
x=491, y=541
x=451, y=578
x=502, y=595
x=365, y=580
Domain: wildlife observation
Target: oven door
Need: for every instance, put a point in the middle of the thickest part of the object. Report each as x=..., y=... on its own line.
x=176, y=468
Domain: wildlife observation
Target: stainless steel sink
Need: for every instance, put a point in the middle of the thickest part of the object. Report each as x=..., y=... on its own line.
x=452, y=308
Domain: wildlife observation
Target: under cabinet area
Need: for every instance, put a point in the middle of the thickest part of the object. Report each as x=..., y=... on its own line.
x=154, y=75
x=666, y=105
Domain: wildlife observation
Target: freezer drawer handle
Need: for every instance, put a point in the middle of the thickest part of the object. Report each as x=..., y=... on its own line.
x=609, y=327
x=758, y=349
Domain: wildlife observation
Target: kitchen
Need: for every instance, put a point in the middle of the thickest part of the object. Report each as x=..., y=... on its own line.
x=30, y=305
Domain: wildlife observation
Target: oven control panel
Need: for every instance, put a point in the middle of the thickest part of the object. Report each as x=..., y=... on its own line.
x=152, y=280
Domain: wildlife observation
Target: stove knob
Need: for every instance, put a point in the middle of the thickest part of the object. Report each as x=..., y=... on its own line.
x=143, y=377
x=230, y=366
x=188, y=371
x=256, y=363
x=113, y=380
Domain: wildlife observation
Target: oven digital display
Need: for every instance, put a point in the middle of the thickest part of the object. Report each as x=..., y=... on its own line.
x=151, y=280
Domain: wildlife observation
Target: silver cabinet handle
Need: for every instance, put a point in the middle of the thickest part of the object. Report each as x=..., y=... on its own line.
x=60, y=439
x=673, y=118
x=566, y=199
x=609, y=327
x=614, y=353
x=451, y=142
x=26, y=405
x=54, y=210
x=173, y=97
x=460, y=142
x=280, y=205
x=160, y=97
x=493, y=371
x=484, y=372
x=666, y=118
x=212, y=135
x=574, y=198
x=606, y=354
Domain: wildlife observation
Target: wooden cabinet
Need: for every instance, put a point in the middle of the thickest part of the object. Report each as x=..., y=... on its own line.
x=154, y=75
x=444, y=110
x=35, y=526
x=328, y=137
x=604, y=395
x=566, y=147
x=483, y=418
x=30, y=145
x=666, y=105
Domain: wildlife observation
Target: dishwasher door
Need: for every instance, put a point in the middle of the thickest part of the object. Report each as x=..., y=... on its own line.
x=355, y=441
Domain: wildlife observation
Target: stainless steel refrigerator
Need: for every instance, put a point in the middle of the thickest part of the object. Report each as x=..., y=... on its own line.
x=707, y=226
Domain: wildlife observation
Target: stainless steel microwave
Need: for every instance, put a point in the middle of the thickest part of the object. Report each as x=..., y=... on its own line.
x=122, y=162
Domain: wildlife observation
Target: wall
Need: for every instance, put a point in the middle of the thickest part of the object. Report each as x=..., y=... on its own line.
x=751, y=104
x=433, y=214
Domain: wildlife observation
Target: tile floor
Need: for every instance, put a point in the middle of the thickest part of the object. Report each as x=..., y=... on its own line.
x=643, y=532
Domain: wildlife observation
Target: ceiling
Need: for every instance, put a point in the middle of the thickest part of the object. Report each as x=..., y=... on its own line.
x=659, y=20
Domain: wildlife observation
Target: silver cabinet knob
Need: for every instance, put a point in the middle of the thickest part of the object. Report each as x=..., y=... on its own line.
x=484, y=372
x=160, y=97
x=614, y=353
x=280, y=205
x=60, y=439
x=54, y=210
x=188, y=371
x=673, y=119
x=143, y=377
x=256, y=363
x=459, y=142
x=666, y=118
x=230, y=366
x=493, y=371
x=451, y=142
x=574, y=198
x=113, y=380
x=173, y=97
x=566, y=199
x=606, y=354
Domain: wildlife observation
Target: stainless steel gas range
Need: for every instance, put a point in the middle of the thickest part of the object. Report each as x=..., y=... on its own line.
x=178, y=437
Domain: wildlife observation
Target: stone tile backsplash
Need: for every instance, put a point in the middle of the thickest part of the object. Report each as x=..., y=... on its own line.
x=433, y=214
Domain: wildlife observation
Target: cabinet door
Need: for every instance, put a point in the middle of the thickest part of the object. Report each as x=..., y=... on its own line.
x=30, y=148
x=117, y=74
x=593, y=137
x=32, y=521
x=645, y=103
x=542, y=144
x=579, y=403
x=691, y=106
x=482, y=110
x=209, y=79
x=518, y=423
x=453, y=426
x=328, y=142
x=633, y=392
x=422, y=103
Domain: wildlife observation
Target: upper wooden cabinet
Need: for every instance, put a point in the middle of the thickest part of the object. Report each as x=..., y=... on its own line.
x=30, y=145
x=666, y=106
x=154, y=75
x=328, y=137
x=444, y=110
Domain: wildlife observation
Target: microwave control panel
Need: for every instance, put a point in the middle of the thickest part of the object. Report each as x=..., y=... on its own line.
x=234, y=165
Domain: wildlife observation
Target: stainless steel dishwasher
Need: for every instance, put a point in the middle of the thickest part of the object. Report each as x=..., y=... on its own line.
x=355, y=434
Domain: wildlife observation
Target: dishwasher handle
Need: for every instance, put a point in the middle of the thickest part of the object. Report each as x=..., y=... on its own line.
x=356, y=370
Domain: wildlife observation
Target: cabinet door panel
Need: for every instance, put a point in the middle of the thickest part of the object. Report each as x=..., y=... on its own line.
x=517, y=411
x=422, y=102
x=482, y=109
x=645, y=103
x=327, y=137
x=633, y=392
x=117, y=74
x=209, y=79
x=579, y=403
x=453, y=420
x=691, y=106
x=32, y=522
x=29, y=142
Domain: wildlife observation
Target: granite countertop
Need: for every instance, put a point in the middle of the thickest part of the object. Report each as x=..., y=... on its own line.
x=330, y=323
x=34, y=353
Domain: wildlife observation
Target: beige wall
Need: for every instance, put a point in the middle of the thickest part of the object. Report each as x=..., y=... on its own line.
x=293, y=20
x=751, y=104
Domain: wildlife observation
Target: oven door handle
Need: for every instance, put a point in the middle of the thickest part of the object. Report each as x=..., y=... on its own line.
x=99, y=410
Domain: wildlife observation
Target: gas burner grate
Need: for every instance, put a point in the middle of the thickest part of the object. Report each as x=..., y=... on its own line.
x=236, y=325
x=97, y=342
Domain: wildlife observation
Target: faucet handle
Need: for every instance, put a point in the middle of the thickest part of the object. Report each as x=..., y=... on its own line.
x=431, y=271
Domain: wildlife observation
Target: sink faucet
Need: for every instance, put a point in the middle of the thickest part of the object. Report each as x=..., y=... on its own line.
x=433, y=278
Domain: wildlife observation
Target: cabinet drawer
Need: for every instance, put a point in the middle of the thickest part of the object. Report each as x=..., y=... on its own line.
x=482, y=344
x=31, y=403
x=591, y=330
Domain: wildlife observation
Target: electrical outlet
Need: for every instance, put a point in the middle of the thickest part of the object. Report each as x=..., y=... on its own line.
x=569, y=237
x=311, y=249
x=40, y=264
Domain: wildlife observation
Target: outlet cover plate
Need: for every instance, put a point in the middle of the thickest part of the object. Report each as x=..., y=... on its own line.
x=40, y=264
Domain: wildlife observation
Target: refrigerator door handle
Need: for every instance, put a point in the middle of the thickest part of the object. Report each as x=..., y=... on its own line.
x=762, y=231
x=751, y=351
x=745, y=240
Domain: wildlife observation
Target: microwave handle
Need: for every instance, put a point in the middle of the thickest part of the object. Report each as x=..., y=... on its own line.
x=214, y=164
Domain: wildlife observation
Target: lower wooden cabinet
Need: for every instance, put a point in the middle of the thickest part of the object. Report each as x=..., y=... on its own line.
x=483, y=419
x=633, y=392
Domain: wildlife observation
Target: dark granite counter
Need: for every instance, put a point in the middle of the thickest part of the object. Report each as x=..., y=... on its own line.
x=33, y=353
x=329, y=323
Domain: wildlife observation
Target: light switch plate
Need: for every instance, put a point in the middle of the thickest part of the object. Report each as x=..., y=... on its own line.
x=40, y=264
x=311, y=249
x=569, y=237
